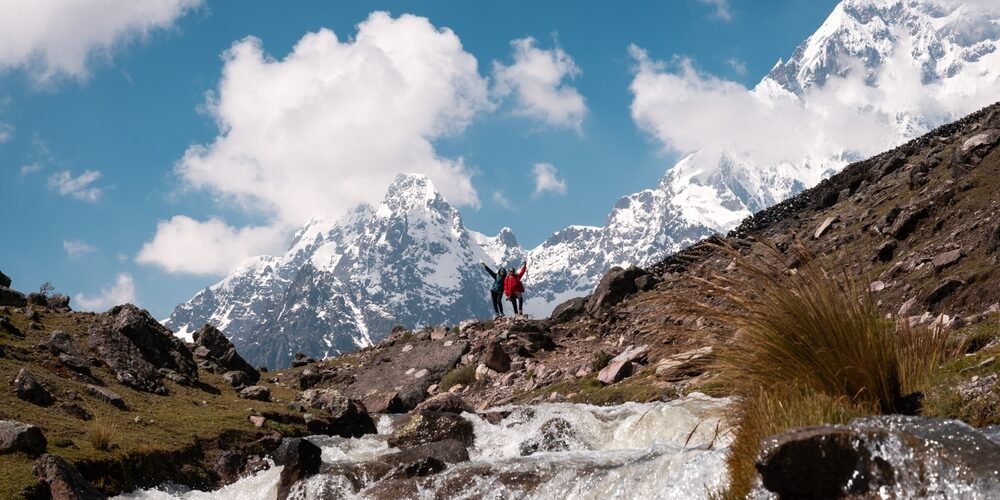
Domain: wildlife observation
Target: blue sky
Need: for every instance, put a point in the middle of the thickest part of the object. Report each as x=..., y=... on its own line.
x=129, y=110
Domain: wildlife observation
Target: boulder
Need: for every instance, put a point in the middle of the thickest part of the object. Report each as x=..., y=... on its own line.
x=108, y=396
x=823, y=227
x=28, y=388
x=76, y=411
x=556, y=434
x=8, y=327
x=63, y=481
x=614, y=287
x=427, y=427
x=906, y=222
x=58, y=302
x=646, y=282
x=38, y=299
x=309, y=378
x=301, y=359
x=58, y=343
x=300, y=459
x=946, y=259
x=134, y=346
x=907, y=456
x=885, y=251
x=256, y=393
x=495, y=358
x=444, y=403
x=236, y=379
x=569, y=309
x=348, y=417
x=232, y=465
x=12, y=298
x=385, y=402
x=20, y=437
x=75, y=363
x=943, y=290
x=615, y=371
x=425, y=459
x=4, y=280
x=212, y=344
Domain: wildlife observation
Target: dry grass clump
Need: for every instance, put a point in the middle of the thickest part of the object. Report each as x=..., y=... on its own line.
x=464, y=375
x=102, y=434
x=811, y=347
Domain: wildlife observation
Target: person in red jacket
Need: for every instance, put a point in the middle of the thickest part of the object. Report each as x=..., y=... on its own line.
x=514, y=289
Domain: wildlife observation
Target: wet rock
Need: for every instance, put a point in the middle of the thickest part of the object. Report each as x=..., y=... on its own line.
x=902, y=457
x=388, y=402
x=108, y=396
x=20, y=437
x=614, y=287
x=236, y=379
x=348, y=417
x=426, y=459
x=569, y=309
x=8, y=327
x=300, y=459
x=444, y=403
x=554, y=435
x=63, y=481
x=495, y=358
x=28, y=388
x=943, y=290
x=12, y=298
x=256, y=393
x=231, y=465
x=134, y=346
x=301, y=359
x=946, y=259
x=428, y=427
x=212, y=344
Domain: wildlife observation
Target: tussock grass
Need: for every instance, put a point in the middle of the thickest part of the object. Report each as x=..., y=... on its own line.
x=102, y=434
x=811, y=347
x=464, y=375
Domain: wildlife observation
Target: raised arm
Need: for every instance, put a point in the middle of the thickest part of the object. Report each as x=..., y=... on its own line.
x=490, y=271
x=524, y=269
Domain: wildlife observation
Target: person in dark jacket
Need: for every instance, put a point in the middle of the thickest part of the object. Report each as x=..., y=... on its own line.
x=514, y=289
x=496, y=291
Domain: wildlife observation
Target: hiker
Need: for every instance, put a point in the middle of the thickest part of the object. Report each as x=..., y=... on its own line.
x=496, y=291
x=514, y=289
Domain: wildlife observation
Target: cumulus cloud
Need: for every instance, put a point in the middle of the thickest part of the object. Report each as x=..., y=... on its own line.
x=122, y=291
x=538, y=81
x=547, y=179
x=6, y=132
x=80, y=187
x=77, y=248
x=737, y=65
x=329, y=126
x=53, y=38
x=501, y=200
x=720, y=9
x=185, y=245
x=29, y=169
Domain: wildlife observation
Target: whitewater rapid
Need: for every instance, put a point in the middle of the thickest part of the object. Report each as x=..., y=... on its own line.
x=665, y=450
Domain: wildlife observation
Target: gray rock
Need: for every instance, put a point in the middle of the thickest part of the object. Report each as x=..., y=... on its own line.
x=211, y=344
x=300, y=459
x=76, y=411
x=12, y=298
x=426, y=459
x=63, y=481
x=108, y=396
x=28, y=388
x=7, y=326
x=444, y=403
x=943, y=290
x=236, y=379
x=614, y=287
x=569, y=309
x=59, y=342
x=615, y=371
x=348, y=417
x=495, y=358
x=427, y=427
x=256, y=393
x=4, y=280
x=946, y=259
x=555, y=434
x=384, y=402
x=20, y=437
x=907, y=222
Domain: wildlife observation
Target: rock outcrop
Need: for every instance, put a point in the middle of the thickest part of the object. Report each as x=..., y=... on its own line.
x=20, y=437
x=219, y=355
x=63, y=481
x=347, y=417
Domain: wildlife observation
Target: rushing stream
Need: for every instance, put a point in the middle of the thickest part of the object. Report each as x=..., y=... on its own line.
x=653, y=450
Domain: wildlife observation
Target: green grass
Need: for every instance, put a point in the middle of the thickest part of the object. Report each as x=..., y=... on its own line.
x=588, y=390
x=464, y=375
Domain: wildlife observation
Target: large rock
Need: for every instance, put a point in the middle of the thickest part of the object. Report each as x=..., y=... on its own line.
x=219, y=350
x=20, y=437
x=495, y=358
x=12, y=298
x=9, y=327
x=556, y=434
x=621, y=366
x=135, y=347
x=614, y=287
x=256, y=393
x=348, y=417
x=108, y=396
x=427, y=427
x=28, y=388
x=63, y=481
x=300, y=459
x=569, y=309
x=4, y=280
x=888, y=456
x=58, y=302
x=444, y=403
x=426, y=459
x=385, y=402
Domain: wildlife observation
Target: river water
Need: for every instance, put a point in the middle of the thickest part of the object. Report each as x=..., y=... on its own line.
x=652, y=450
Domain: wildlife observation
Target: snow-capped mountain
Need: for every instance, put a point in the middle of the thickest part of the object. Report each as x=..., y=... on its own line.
x=908, y=65
x=342, y=285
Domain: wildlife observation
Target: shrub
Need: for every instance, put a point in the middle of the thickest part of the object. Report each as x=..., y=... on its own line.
x=464, y=375
x=102, y=434
x=599, y=360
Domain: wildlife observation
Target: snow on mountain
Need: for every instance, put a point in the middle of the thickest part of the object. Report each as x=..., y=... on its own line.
x=906, y=65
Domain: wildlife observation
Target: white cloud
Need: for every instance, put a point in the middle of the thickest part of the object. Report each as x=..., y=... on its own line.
x=185, y=245
x=737, y=65
x=54, y=38
x=79, y=187
x=6, y=132
x=537, y=79
x=30, y=169
x=502, y=201
x=547, y=179
x=721, y=9
x=122, y=291
x=77, y=248
x=330, y=125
